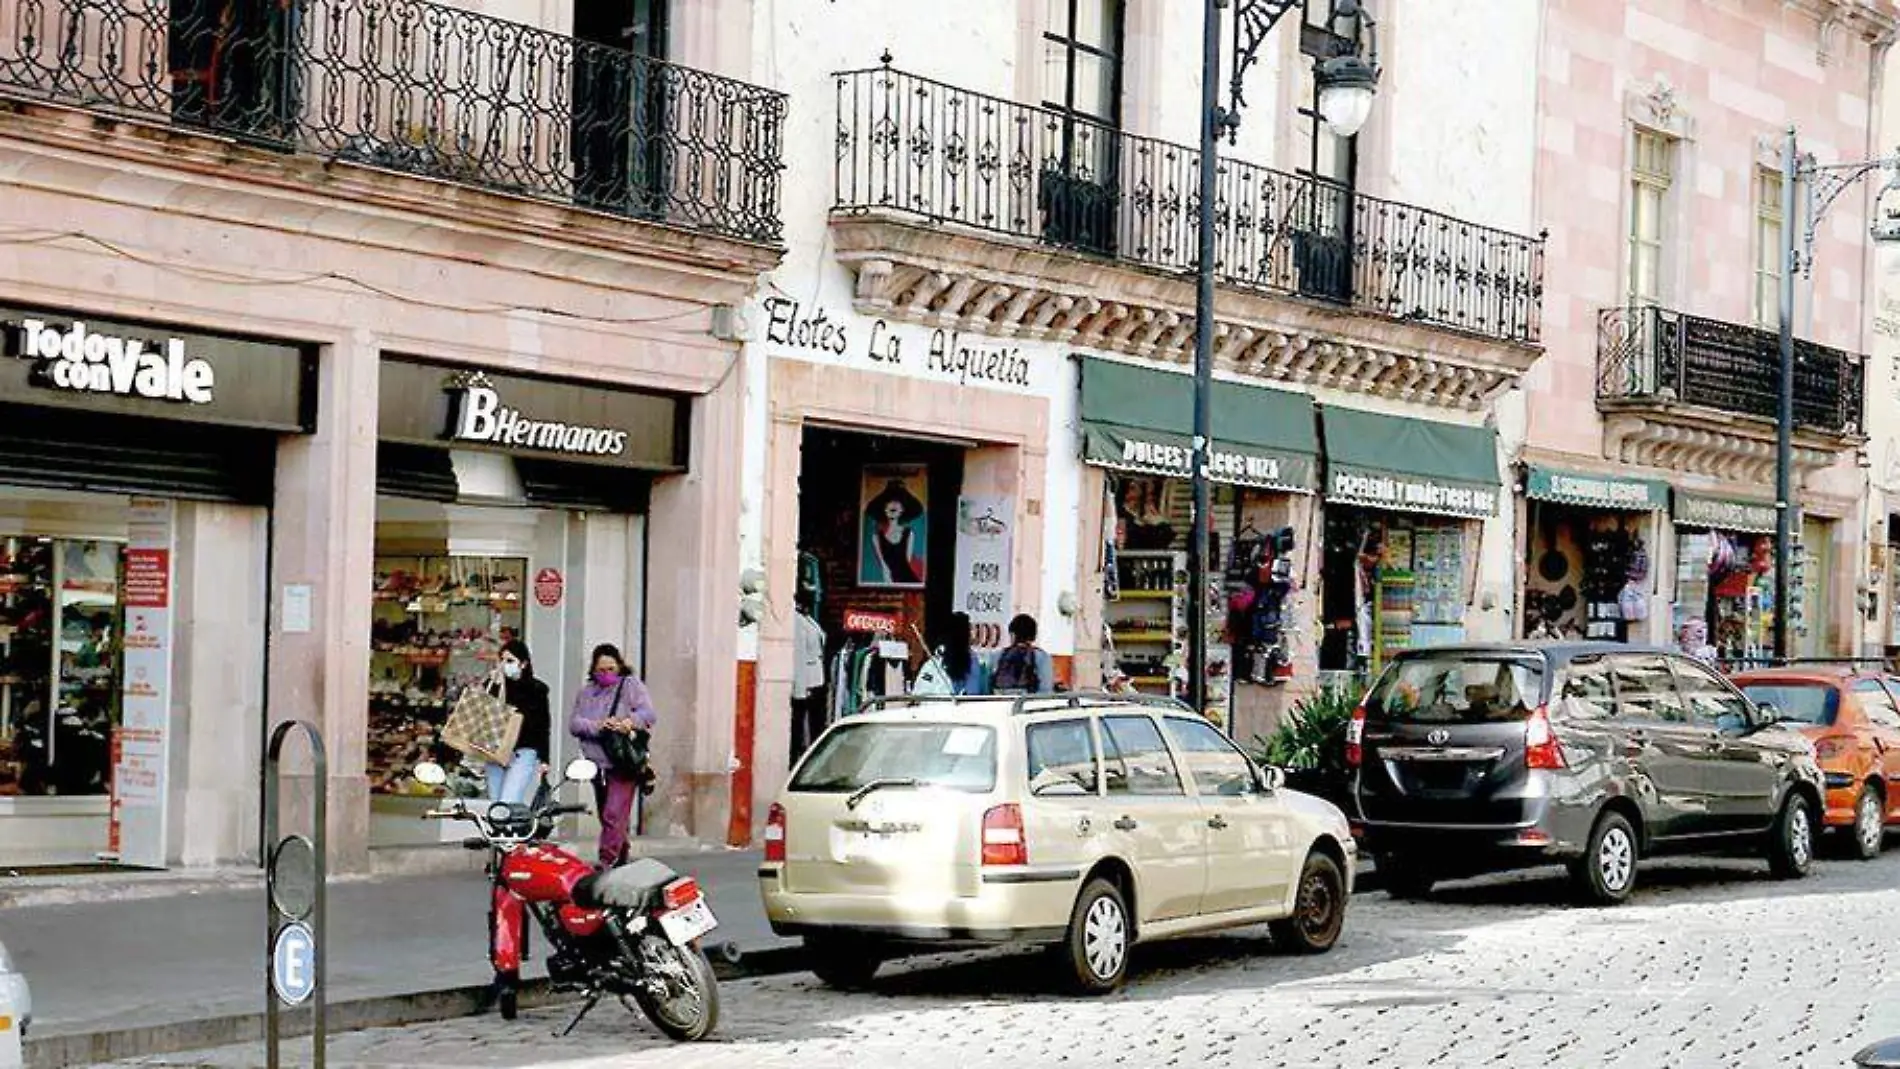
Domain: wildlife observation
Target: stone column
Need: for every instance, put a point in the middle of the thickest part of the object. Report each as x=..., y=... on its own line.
x=323, y=537
x=693, y=634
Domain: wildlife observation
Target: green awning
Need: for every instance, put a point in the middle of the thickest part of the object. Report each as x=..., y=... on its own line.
x=1142, y=419
x=1410, y=465
x=1725, y=513
x=1612, y=492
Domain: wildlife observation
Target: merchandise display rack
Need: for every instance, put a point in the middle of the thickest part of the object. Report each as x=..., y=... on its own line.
x=1148, y=625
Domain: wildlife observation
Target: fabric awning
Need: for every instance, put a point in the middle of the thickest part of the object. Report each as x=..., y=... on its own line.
x=1725, y=514
x=1142, y=419
x=1613, y=492
x=1410, y=465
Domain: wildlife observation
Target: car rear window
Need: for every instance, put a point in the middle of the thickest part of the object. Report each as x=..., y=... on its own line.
x=958, y=756
x=1457, y=689
x=1798, y=703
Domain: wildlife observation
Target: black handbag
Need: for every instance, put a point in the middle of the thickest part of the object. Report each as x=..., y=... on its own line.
x=628, y=751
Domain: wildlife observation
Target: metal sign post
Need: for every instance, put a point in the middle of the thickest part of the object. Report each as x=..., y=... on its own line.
x=294, y=893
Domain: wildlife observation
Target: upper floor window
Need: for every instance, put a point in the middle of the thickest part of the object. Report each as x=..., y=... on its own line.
x=1324, y=34
x=1769, y=238
x=1652, y=173
x=1082, y=62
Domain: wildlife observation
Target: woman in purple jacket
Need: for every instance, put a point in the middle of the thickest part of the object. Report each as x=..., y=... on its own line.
x=611, y=700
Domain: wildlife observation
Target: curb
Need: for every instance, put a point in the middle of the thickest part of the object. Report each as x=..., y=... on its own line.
x=354, y=1015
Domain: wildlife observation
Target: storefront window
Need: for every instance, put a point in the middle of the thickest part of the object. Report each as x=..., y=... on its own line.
x=60, y=616
x=1392, y=582
x=1725, y=594
x=438, y=624
x=1588, y=574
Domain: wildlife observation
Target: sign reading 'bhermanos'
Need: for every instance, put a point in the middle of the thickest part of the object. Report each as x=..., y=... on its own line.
x=479, y=416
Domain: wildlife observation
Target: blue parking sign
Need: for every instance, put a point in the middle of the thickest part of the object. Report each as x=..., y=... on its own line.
x=293, y=964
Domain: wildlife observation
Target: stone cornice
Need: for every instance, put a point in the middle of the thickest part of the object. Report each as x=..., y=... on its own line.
x=167, y=168
x=1707, y=442
x=939, y=276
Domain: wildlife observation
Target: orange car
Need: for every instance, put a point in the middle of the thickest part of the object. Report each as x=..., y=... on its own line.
x=1853, y=717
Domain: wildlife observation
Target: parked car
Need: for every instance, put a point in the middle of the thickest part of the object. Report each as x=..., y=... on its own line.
x=16, y=1000
x=1853, y=719
x=1473, y=759
x=1087, y=823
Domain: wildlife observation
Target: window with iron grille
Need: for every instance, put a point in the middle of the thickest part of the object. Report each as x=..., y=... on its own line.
x=1323, y=224
x=1082, y=84
x=1652, y=173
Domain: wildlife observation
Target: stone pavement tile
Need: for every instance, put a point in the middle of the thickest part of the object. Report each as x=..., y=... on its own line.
x=1711, y=967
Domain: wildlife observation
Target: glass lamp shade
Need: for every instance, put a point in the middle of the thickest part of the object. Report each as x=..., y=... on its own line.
x=1346, y=85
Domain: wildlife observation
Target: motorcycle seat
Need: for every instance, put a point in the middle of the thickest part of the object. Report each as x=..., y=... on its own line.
x=635, y=885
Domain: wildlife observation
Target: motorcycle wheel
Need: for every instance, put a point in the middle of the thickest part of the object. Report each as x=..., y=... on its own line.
x=691, y=1009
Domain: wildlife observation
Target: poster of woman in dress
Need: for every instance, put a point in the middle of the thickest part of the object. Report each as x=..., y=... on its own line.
x=893, y=540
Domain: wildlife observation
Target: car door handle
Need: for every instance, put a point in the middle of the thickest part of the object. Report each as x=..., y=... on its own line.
x=1126, y=824
x=1217, y=823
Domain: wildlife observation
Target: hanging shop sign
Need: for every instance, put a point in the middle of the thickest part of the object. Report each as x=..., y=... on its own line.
x=591, y=423
x=1724, y=514
x=985, y=530
x=1595, y=491
x=103, y=365
x=1410, y=465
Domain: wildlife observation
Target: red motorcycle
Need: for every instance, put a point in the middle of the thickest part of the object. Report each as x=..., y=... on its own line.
x=632, y=931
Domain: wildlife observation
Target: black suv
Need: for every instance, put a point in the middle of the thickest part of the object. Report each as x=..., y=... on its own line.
x=1473, y=759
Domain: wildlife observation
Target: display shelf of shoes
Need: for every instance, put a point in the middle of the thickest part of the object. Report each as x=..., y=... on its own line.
x=26, y=656
x=437, y=624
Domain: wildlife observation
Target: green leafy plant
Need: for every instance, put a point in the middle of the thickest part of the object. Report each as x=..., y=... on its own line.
x=1312, y=738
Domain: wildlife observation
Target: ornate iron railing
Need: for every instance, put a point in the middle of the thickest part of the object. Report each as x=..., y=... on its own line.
x=420, y=88
x=1652, y=355
x=922, y=148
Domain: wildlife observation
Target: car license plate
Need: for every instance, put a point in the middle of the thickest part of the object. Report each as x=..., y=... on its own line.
x=688, y=923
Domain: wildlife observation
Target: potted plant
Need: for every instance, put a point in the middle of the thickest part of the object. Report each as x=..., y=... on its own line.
x=1310, y=745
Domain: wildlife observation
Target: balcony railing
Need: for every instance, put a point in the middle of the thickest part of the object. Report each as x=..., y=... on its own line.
x=419, y=88
x=1655, y=355
x=921, y=148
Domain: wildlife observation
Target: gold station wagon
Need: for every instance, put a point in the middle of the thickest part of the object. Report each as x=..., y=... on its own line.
x=1085, y=822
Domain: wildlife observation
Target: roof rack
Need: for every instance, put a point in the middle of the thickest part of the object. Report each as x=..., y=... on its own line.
x=1070, y=699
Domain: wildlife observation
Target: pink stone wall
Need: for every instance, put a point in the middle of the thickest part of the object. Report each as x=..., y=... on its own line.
x=1741, y=71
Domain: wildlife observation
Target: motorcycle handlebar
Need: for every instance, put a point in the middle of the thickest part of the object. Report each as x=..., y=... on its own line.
x=563, y=810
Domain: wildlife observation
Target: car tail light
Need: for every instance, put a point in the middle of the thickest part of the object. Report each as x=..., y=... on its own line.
x=681, y=893
x=1832, y=746
x=1541, y=749
x=1355, y=737
x=775, y=833
x=1003, y=841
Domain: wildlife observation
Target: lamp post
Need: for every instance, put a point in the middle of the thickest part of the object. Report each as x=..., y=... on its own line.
x=1825, y=183
x=1345, y=86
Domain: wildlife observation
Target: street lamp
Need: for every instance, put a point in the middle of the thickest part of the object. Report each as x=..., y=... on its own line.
x=1345, y=85
x=1825, y=184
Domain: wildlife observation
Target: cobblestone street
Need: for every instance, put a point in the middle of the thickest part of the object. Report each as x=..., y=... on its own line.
x=1712, y=965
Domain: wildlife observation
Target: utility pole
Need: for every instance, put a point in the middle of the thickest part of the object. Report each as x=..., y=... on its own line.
x=1784, y=405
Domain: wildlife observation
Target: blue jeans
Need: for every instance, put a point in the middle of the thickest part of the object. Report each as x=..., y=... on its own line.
x=514, y=782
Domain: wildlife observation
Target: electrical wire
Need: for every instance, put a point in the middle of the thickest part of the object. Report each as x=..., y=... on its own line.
x=229, y=278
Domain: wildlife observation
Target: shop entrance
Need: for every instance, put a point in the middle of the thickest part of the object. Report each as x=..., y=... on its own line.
x=473, y=551
x=1587, y=574
x=877, y=565
x=1389, y=582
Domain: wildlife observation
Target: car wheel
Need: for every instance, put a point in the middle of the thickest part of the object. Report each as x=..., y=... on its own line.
x=1100, y=936
x=1319, y=909
x=1403, y=878
x=1606, y=873
x=843, y=962
x=1791, y=844
x=1870, y=824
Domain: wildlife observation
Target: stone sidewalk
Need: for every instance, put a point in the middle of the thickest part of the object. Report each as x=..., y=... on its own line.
x=167, y=966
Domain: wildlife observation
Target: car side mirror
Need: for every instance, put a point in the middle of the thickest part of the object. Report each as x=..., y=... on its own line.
x=1272, y=779
x=1767, y=714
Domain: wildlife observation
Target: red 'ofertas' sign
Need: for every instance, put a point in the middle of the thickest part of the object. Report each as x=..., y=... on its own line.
x=858, y=622
x=148, y=578
x=548, y=586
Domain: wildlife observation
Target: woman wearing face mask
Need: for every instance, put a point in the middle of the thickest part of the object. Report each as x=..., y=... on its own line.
x=515, y=781
x=611, y=700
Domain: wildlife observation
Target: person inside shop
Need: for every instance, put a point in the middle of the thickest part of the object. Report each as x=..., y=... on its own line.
x=893, y=516
x=515, y=781
x=1023, y=667
x=613, y=714
x=968, y=674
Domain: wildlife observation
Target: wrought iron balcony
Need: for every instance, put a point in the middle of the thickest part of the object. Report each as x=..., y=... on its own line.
x=920, y=148
x=1651, y=356
x=420, y=88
